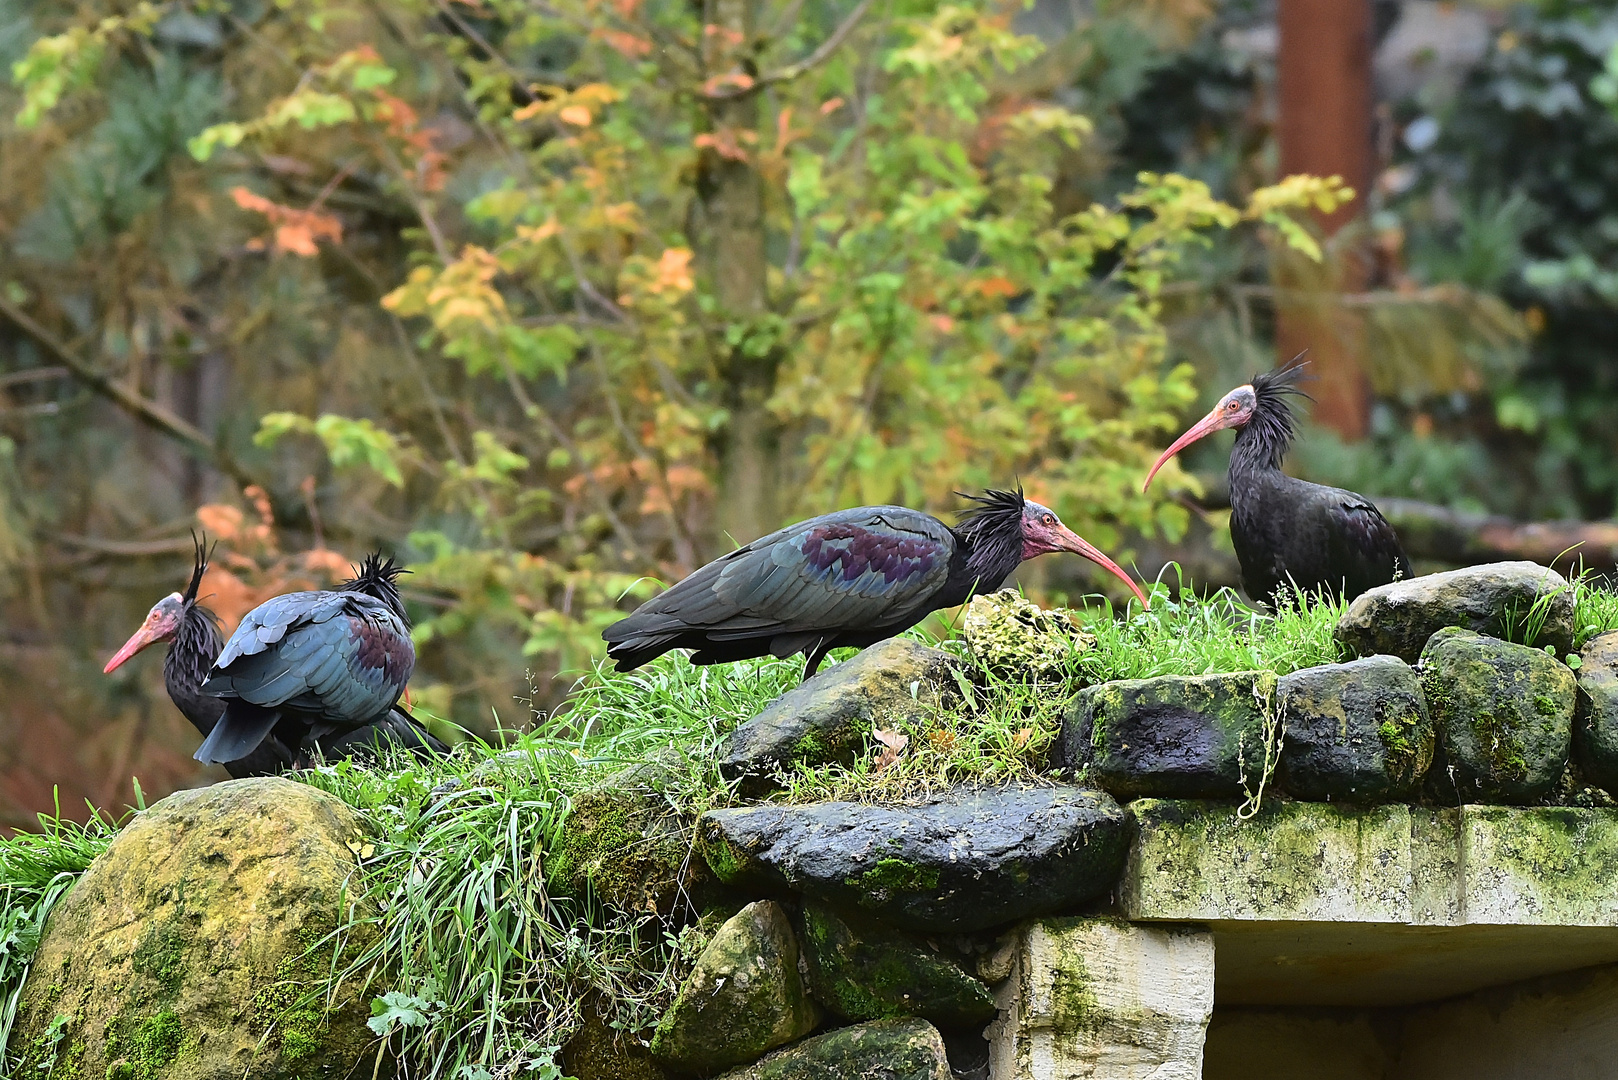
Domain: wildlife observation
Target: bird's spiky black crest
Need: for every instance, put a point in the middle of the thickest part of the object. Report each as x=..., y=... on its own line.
x=1266, y=437
x=380, y=579
x=993, y=528
x=200, y=566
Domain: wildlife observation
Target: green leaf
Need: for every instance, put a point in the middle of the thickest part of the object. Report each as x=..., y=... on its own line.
x=351, y=443
x=395, y=1010
x=533, y=350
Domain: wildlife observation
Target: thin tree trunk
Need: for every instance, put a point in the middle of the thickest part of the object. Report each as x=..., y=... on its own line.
x=730, y=204
x=1325, y=129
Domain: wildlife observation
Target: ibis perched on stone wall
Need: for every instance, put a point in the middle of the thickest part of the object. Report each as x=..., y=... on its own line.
x=851, y=578
x=1289, y=533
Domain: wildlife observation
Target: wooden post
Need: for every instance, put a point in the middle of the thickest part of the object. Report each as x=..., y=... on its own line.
x=1326, y=129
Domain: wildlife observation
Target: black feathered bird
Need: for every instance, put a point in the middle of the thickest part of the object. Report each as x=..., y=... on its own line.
x=851, y=578
x=1288, y=532
x=195, y=643
x=315, y=668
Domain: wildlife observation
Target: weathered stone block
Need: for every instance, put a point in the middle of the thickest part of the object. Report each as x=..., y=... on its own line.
x=1355, y=732
x=743, y=998
x=862, y=969
x=829, y=717
x=621, y=842
x=1504, y=715
x=1101, y=998
x=1399, y=618
x=1199, y=737
x=1007, y=632
x=1198, y=862
x=183, y=953
x=967, y=860
x=1544, y=865
x=1595, y=726
x=903, y=1049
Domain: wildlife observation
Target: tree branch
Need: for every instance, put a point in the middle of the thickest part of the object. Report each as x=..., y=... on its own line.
x=804, y=66
x=147, y=412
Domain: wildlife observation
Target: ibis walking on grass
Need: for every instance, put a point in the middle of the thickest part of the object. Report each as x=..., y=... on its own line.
x=851, y=578
x=1290, y=534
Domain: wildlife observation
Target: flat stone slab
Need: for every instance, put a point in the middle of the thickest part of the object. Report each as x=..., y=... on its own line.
x=903, y=1049
x=1398, y=618
x=830, y=717
x=1301, y=862
x=1188, y=737
x=966, y=861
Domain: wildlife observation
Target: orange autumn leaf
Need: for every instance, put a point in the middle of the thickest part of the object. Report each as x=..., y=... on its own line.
x=724, y=142
x=727, y=84
x=995, y=286
x=577, y=115
x=296, y=231
x=674, y=271
x=893, y=744
x=942, y=323
x=626, y=44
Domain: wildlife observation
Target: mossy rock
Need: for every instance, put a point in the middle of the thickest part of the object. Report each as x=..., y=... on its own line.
x=905, y=1049
x=862, y=969
x=829, y=718
x=1397, y=619
x=743, y=998
x=623, y=841
x=193, y=947
x=1007, y=632
x=1504, y=715
x=966, y=860
x=1595, y=728
x=1195, y=737
x=598, y=1052
x=1356, y=732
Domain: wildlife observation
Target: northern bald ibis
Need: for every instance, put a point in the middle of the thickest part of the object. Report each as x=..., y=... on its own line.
x=851, y=578
x=1288, y=532
x=195, y=643
x=314, y=668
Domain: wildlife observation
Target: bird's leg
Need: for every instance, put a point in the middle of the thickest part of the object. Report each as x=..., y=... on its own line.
x=817, y=652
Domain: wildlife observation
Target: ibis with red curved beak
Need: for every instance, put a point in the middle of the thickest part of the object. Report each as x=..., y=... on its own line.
x=850, y=578
x=1288, y=533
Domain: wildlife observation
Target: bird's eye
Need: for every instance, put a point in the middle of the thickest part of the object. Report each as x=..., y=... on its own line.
x=1048, y=519
x=1233, y=406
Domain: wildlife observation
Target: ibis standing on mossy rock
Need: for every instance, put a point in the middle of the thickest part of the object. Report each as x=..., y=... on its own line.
x=319, y=671
x=1290, y=534
x=851, y=578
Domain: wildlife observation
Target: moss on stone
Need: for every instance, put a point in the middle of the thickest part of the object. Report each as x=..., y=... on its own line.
x=1073, y=998
x=896, y=874
x=160, y=955
x=623, y=843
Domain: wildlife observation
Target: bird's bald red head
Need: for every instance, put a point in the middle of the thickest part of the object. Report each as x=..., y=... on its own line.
x=1043, y=532
x=161, y=624
x=1234, y=409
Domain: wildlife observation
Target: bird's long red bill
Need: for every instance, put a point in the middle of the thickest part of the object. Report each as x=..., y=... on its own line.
x=1214, y=421
x=143, y=637
x=1080, y=546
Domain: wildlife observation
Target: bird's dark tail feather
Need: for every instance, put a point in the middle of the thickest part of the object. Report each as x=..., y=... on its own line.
x=238, y=732
x=394, y=729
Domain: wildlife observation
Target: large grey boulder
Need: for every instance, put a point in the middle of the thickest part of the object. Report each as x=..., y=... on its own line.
x=1504, y=714
x=904, y=1049
x=1595, y=728
x=830, y=717
x=743, y=998
x=1196, y=737
x=862, y=969
x=1356, y=732
x=192, y=948
x=1492, y=599
x=964, y=861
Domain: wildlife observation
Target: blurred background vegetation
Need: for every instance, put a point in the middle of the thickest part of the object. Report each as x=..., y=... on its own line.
x=554, y=299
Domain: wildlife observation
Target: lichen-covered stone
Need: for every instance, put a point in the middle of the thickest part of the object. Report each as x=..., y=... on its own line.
x=1099, y=998
x=1398, y=618
x=1504, y=715
x=192, y=948
x=902, y=1049
x=1007, y=632
x=743, y=998
x=1197, y=737
x=622, y=842
x=861, y=969
x=1355, y=732
x=1290, y=862
x=830, y=717
x=1540, y=865
x=1595, y=728
x=966, y=860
